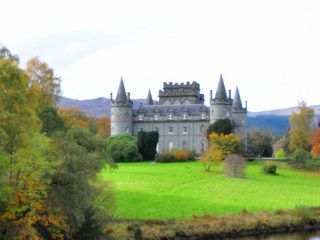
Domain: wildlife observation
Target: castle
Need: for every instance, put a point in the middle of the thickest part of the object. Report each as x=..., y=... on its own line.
x=180, y=116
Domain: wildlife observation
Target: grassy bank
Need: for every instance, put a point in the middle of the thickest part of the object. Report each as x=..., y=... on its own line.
x=213, y=227
x=179, y=190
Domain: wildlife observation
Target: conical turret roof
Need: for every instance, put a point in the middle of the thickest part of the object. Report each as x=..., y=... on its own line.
x=237, y=104
x=149, y=100
x=121, y=95
x=221, y=90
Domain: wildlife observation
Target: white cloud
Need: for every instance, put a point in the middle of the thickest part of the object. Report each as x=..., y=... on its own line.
x=269, y=48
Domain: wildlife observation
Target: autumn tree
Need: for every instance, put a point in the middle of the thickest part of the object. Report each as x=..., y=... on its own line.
x=315, y=143
x=6, y=54
x=51, y=121
x=17, y=120
x=301, y=128
x=103, y=126
x=44, y=85
x=260, y=143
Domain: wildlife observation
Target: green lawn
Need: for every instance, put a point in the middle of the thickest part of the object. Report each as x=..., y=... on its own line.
x=162, y=191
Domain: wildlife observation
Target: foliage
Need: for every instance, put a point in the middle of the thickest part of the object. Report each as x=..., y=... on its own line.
x=234, y=165
x=213, y=156
x=315, y=143
x=147, y=143
x=17, y=120
x=43, y=84
x=176, y=155
x=301, y=128
x=6, y=54
x=73, y=187
x=221, y=126
x=260, y=143
x=103, y=127
x=269, y=168
x=300, y=156
x=281, y=154
x=51, y=121
x=28, y=210
x=123, y=148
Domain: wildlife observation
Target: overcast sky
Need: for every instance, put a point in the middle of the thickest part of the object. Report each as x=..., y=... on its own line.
x=270, y=49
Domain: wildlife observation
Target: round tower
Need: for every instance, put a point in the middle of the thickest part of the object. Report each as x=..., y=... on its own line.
x=221, y=105
x=121, y=112
x=239, y=117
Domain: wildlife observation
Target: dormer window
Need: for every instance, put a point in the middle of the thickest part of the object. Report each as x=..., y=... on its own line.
x=156, y=117
x=140, y=117
x=184, y=116
x=203, y=115
x=170, y=116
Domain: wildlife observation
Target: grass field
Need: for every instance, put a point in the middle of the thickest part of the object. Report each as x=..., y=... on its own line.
x=175, y=190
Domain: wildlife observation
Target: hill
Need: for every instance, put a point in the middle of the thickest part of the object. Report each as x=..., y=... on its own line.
x=276, y=120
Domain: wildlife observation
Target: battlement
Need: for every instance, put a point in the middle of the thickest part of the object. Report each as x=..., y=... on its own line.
x=170, y=85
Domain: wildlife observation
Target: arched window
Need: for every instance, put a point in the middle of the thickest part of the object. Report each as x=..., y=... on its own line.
x=156, y=128
x=184, y=145
x=203, y=146
x=140, y=128
x=170, y=145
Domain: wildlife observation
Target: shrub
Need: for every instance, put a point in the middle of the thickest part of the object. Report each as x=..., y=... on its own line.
x=269, y=168
x=123, y=148
x=176, y=155
x=234, y=166
x=300, y=156
x=280, y=154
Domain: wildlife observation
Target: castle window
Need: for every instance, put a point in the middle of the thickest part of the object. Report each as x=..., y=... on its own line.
x=203, y=146
x=202, y=128
x=177, y=103
x=170, y=116
x=184, y=145
x=185, y=130
x=242, y=121
x=170, y=145
x=203, y=115
x=184, y=116
x=166, y=103
x=156, y=129
x=156, y=117
x=170, y=130
x=140, y=117
x=140, y=128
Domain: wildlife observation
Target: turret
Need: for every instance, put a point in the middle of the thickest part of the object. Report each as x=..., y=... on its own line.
x=221, y=105
x=239, y=116
x=149, y=100
x=121, y=112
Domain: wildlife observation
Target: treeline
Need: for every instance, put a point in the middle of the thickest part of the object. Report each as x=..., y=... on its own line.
x=49, y=160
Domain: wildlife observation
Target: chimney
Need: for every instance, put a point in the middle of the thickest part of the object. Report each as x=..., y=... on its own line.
x=111, y=98
x=229, y=94
x=246, y=105
x=210, y=94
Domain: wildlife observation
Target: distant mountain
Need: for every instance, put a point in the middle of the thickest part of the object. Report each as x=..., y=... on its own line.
x=276, y=120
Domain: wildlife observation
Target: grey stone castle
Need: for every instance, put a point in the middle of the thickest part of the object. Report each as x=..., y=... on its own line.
x=180, y=116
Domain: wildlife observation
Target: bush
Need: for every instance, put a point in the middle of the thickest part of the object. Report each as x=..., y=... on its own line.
x=176, y=156
x=123, y=148
x=300, y=156
x=280, y=154
x=234, y=166
x=269, y=168
x=147, y=143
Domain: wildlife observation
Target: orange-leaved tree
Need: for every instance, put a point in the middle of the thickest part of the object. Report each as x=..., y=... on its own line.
x=315, y=143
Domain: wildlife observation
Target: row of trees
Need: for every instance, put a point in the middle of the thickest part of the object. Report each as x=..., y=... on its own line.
x=49, y=162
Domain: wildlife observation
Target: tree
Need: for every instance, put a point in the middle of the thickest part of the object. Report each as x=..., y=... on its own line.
x=221, y=126
x=17, y=119
x=315, y=144
x=123, y=148
x=103, y=126
x=6, y=54
x=28, y=210
x=147, y=144
x=43, y=84
x=220, y=146
x=51, y=121
x=260, y=143
x=301, y=128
